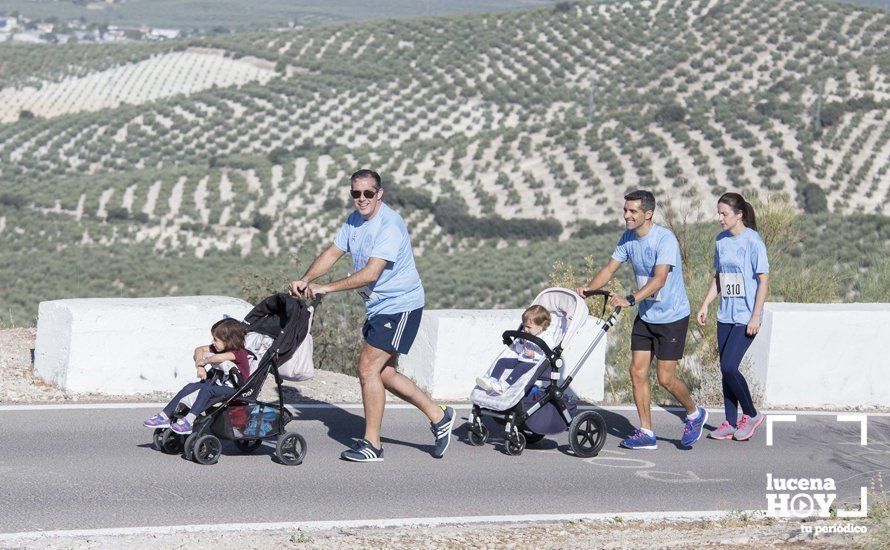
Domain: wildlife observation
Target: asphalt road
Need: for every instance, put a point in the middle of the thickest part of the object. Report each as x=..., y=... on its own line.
x=95, y=468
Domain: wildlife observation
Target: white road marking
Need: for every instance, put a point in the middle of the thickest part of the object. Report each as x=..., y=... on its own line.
x=379, y=523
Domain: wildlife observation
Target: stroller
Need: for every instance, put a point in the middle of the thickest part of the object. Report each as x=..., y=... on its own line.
x=539, y=401
x=279, y=340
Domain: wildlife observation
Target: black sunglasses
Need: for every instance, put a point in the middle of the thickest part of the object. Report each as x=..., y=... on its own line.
x=367, y=193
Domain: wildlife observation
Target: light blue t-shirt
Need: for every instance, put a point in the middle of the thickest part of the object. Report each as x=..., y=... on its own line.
x=658, y=247
x=385, y=236
x=738, y=260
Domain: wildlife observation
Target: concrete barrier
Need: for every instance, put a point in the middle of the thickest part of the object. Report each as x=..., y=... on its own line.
x=126, y=346
x=453, y=347
x=823, y=355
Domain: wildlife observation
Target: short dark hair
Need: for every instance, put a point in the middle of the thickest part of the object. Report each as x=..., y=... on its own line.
x=647, y=199
x=230, y=332
x=364, y=173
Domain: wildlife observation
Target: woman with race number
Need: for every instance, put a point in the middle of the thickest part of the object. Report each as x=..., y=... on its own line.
x=741, y=279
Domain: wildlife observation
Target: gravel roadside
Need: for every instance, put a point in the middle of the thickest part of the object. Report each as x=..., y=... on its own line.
x=735, y=532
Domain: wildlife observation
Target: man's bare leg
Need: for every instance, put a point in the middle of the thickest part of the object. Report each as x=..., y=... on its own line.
x=404, y=388
x=639, y=377
x=371, y=363
x=667, y=377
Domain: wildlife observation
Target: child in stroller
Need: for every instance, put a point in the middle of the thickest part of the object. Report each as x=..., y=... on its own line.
x=535, y=401
x=277, y=331
x=537, y=322
x=221, y=367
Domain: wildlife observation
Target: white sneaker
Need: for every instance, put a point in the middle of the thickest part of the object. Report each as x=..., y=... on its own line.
x=490, y=385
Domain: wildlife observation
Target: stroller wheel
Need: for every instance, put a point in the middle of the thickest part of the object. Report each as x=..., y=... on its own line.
x=514, y=444
x=207, y=449
x=167, y=441
x=531, y=437
x=188, y=448
x=248, y=446
x=478, y=435
x=156, y=437
x=291, y=449
x=587, y=434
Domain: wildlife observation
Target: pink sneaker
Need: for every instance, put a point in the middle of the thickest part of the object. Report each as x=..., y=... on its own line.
x=747, y=425
x=725, y=431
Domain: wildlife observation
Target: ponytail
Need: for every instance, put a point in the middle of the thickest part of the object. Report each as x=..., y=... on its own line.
x=748, y=216
x=739, y=204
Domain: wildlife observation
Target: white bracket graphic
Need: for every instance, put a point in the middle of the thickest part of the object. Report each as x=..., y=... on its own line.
x=770, y=418
x=862, y=512
x=863, y=423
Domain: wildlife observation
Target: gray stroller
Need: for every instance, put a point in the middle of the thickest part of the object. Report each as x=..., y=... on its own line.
x=537, y=400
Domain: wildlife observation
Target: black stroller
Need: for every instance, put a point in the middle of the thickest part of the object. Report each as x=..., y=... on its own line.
x=538, y=401
x=282, y=323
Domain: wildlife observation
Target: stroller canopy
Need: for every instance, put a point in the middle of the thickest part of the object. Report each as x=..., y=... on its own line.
x=568, y=307
x=283, y=318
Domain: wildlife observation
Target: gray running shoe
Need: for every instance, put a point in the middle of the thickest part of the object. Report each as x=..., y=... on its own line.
x=725, y=431
x=747, y=425
x=442, y=431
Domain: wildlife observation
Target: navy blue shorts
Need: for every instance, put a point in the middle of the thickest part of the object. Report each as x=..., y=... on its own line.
x=393, y=331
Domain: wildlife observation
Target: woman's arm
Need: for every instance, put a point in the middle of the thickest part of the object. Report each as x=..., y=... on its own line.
x=759, y=301
x=713, y=291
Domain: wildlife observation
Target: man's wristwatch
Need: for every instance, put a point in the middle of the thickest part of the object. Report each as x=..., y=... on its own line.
x=630, y=298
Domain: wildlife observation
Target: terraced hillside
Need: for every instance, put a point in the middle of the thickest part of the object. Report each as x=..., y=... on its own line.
x=507, y=127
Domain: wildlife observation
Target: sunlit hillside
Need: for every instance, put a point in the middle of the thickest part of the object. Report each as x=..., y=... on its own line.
x=510, y=127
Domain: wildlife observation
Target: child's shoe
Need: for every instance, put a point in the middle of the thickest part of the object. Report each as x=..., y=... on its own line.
x=181, y=426
x=157, y=421
x=490, y=385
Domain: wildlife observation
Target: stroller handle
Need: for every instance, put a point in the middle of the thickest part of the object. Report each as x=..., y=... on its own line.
x=605, y=294
x=589, y=293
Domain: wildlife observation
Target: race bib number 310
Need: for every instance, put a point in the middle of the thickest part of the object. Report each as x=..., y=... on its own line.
x=732, y=285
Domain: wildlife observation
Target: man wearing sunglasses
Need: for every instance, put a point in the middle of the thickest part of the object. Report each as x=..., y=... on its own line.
x=387, y=280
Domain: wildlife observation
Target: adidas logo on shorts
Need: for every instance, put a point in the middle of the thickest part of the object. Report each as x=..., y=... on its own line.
x=388, y=325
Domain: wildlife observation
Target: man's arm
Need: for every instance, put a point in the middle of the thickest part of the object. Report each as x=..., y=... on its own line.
x=602, y=278
x=364, y=276
x=200, y=351
x=655, y=283
x=321, y=265
x=216, y=359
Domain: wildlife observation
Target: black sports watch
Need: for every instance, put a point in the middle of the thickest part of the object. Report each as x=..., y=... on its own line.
x=630, y=298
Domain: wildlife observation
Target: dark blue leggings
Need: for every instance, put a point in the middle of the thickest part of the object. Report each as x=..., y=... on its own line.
x=732, y=342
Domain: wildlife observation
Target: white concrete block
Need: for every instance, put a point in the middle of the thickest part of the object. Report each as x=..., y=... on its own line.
x=823, y=355
x=126, y=346
x=453, y=347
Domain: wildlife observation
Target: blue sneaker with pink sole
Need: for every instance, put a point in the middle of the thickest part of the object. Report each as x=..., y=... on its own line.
x=640, y=440
x=157, y=421
x=693, y=429
x=181, y=426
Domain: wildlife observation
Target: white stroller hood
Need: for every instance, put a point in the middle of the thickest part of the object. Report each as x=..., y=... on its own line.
x=567, y=307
